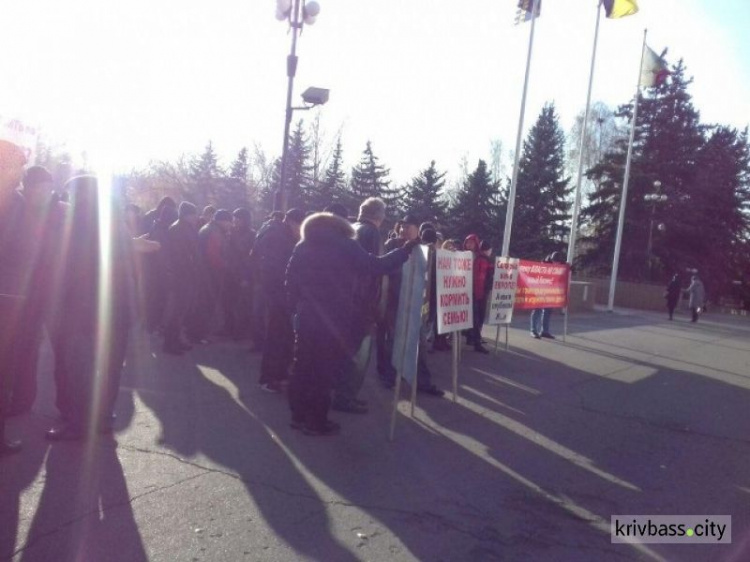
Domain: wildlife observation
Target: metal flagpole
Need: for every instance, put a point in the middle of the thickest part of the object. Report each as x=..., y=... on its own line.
x=624, y=198
x=582, y=146
x=514, y=179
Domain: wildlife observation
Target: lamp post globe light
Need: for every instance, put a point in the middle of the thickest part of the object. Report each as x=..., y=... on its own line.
x=298, y=13
x=654, y=198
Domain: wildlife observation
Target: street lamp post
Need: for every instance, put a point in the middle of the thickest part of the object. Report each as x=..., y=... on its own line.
x=298, y=13
x=653, y=198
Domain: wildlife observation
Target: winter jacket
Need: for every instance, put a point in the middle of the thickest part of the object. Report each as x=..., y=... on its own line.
x=271, y=254
x=181, y=250
x=369, y=287
x=697, y=293
x=483, y=271
x=212, y=242
x=672, y=293
x=14, y=246
x=323, y=273
x=240, y=245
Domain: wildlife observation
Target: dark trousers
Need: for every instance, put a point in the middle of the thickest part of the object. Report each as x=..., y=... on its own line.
x=384, y=343
x=278, y=350
x=207, y=298
x=694, y=310
x=156, y=291
x=317, y=358
x=180, y=302
x=93, y=375
x=259, y=317
x=480, y=305
x=237, y=303
x=10, y=315
x=671, y=305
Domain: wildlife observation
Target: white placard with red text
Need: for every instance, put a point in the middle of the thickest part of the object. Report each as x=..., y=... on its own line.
x=454, y=291
x=503, y=296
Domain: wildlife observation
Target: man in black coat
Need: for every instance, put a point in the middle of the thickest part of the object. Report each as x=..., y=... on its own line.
x=271, y=255
x=237, y=293
x=368, y=293
x=321, y=279
x=409, y=233
x=13, y=268
x=181, y=252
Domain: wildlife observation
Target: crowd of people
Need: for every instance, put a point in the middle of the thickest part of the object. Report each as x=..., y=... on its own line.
x=314, y=293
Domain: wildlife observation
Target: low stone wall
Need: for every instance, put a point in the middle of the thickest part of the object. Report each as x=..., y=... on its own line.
x=583, y=295
x=640, y=296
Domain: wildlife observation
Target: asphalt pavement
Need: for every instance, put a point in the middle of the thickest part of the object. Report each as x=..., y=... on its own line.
x=632, y=414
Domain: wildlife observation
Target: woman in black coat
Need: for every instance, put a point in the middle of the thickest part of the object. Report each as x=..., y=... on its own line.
x=672, y=294
x=321, y=279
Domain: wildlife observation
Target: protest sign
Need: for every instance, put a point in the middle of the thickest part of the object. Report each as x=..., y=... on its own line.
x=21, y=134
x=542, y=285
x=408, y=326
x=503, y=294
x=454, y=291
x=409, y=316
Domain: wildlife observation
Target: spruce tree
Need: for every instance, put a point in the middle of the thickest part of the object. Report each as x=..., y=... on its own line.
x=332, y=187
x=370, y=179
x=542, y=203
x=423, y=196
x=714, y=227
x=668, y=139
x=205, y=177
x=235, y=192
x=476, y=208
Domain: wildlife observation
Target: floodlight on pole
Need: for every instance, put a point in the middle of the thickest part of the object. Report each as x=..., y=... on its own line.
x=298, y=13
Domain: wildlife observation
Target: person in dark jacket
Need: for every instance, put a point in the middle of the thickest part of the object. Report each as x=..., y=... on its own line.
x=672, y=294
x=271, y=254
x=482, y=278
x=150, y=218
x=156, y=271
x=183, y=263
x=45, y=227
x=213, y=244
x=321, y=279
x=471, y=244
x=237, y=293
x=409, y=235
x=96, y=310
x=368, y=297
x=13, y=268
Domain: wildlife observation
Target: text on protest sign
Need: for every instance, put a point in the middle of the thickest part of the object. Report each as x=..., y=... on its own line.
x=542, y=285
x=503, y=296
x=454, y=282
x=21, y=134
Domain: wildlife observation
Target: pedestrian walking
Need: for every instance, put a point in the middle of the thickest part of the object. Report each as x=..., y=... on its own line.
x=672, y=295
x=697, y=293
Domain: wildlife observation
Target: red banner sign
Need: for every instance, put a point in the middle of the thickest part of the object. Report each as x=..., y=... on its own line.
x=542, y=285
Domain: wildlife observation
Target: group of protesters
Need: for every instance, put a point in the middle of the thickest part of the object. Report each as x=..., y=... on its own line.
x=315, y=293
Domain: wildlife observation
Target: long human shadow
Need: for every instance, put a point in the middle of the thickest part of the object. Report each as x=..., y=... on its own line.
x=197, y=400
x=83, y=505
x=661, y=435
x=84, y=509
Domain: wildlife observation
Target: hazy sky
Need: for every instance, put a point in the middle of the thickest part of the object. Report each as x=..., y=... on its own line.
x=423, y=79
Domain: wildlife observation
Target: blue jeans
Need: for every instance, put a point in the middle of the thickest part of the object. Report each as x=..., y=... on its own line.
x=540, y=316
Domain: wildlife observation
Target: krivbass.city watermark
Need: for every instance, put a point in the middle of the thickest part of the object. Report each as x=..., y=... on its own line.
x=675, y=529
